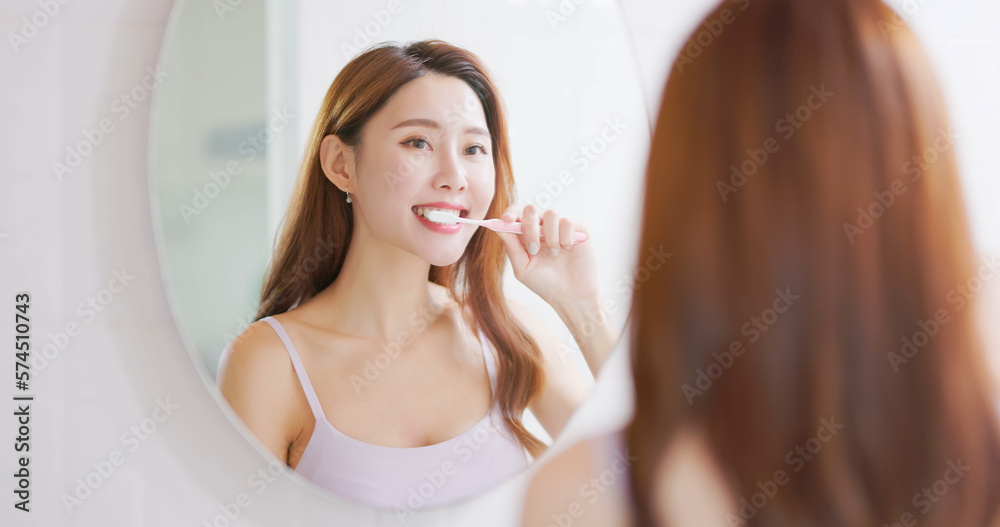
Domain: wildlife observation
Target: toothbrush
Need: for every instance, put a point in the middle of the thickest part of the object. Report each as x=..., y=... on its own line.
x=497, y=225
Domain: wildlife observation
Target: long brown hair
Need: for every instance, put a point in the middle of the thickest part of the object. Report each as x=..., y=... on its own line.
x=809, y=321
x=319, y=217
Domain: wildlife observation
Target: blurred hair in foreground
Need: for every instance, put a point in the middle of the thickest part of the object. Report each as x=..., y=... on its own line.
x=803, y=175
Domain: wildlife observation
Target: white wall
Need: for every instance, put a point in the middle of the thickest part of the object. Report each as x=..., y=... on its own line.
x=62, y=242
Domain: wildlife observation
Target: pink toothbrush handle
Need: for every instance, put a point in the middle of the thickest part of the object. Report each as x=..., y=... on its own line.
x=515, y=227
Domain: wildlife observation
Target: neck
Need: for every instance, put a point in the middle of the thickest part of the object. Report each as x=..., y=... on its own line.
x=381, y=292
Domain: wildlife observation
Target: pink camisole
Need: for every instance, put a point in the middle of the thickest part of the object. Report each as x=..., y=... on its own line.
x=407, y=479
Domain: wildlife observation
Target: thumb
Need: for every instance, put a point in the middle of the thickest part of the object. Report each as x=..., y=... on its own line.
x=515, y=251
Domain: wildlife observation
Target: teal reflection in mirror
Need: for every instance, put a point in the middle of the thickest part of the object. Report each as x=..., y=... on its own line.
x=388, y=359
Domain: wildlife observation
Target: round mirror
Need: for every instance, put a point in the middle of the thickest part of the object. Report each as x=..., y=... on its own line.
x=230, y=134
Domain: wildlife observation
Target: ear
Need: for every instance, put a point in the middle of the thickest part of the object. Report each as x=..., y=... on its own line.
x=337, y=161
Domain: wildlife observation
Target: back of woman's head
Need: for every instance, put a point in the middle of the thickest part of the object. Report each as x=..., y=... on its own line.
x=816, y=317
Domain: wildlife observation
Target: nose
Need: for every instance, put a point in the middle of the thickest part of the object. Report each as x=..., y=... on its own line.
x=451, y=173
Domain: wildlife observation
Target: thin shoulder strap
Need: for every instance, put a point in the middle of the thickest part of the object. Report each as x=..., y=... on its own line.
x=299, y=369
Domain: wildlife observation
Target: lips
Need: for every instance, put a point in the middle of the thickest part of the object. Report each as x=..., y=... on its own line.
x=444, y=206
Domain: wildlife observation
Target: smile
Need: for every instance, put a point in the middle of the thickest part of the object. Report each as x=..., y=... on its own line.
x=443, y=228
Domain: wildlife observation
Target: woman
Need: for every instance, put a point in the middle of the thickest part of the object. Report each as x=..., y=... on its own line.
x=807, y=356
x=387, y=365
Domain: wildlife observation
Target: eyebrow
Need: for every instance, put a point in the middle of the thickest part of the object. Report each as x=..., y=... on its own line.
x=430, y=123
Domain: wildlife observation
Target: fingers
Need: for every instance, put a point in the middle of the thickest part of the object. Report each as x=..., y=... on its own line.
x=515, y=250
x=566, y=230
x=510, y=215
x=539, y=230
x=530, y=228
x=550, y=229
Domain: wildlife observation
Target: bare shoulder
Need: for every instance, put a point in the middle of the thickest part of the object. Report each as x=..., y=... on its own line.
x=574, y=487
x=259, y=382
x=690, y=487
x=589, y=484
x=256, y=352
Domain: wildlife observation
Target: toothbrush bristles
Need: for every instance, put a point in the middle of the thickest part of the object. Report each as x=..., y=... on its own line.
x=441, y=216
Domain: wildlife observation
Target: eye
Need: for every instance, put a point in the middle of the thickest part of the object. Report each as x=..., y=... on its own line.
x=479, y=146
x=415, y=140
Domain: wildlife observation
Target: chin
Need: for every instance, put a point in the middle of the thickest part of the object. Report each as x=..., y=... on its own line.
x=444, y=261
x=443, y=257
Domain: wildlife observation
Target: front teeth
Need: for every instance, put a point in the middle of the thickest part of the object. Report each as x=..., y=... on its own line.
x=423, y=210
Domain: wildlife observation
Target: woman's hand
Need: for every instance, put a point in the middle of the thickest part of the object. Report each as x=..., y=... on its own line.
x=554, y=267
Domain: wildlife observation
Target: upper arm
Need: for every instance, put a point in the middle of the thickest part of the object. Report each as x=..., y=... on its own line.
x=565, y=387
x=574, y=487
x=570, y=488
x=259, y=382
